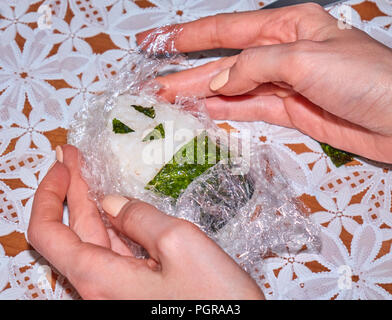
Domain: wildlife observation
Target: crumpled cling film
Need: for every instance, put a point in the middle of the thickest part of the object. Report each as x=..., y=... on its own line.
x=244, y=203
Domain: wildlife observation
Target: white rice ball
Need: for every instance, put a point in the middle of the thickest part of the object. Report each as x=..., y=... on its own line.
x=142, y=160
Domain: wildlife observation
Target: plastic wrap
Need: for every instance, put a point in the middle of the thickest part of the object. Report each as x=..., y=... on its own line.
x=243, y=202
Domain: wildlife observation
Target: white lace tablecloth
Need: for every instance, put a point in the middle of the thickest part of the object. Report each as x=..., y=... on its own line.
x=57, y=53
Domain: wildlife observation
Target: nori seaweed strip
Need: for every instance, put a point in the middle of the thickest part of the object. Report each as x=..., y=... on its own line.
x=149, y=112
x=157, y=133
x=338, y=157
x=186, y=165
x=119, y=127
x=217, y=205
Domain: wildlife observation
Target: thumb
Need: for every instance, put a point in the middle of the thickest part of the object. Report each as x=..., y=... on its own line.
x=140, y=221
x=255, y=66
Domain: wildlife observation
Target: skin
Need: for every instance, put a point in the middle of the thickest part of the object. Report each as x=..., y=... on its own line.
x=184, y=263
x=297, y=69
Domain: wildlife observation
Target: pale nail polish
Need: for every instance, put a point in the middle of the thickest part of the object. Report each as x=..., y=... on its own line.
x=113, y=204
x=59, y=154
x=284, y=93
x=219, y=80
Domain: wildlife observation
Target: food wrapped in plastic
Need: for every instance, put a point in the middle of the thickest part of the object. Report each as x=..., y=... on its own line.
x=174, y=157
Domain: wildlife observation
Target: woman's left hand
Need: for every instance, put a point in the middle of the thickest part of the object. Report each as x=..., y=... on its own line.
x=184, y=263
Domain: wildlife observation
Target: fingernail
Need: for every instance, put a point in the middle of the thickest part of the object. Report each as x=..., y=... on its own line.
x=113, y=204
x=59, y=154
x=219, y=80
x=284, y=93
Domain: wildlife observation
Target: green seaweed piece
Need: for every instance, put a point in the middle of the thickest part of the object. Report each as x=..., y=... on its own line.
x=149, y=112
x=157, y=133
x=192, y=160
x=119, y=127
x=338, y=157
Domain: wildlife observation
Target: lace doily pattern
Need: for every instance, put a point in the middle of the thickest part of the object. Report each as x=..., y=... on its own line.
x=58, y=53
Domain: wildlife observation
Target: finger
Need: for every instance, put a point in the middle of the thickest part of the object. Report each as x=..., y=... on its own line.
x=86, y=266
x=254, y=28
x=84, y=217
x=193, y=81
x=79, y=262
x=339, y=133
x=117, y=245
x=269, y=108
x=46, y=232
x=140, y=221
x=196, y=82
x=255, y=66
x=295, y=111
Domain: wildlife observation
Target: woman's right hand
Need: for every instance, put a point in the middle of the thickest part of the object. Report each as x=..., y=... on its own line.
x=298, y=69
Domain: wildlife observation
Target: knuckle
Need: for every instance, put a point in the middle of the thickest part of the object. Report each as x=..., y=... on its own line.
x=217, y=32
x=246, y=62
x=298, y=51
x=302, y=46
x=311, y=7
x=85, y=264
x=296, y=60
x=245, y=57
x=173, y=237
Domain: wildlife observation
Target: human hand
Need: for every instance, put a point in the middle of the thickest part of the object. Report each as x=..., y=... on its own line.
x=184, y=263
x=298, y=70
